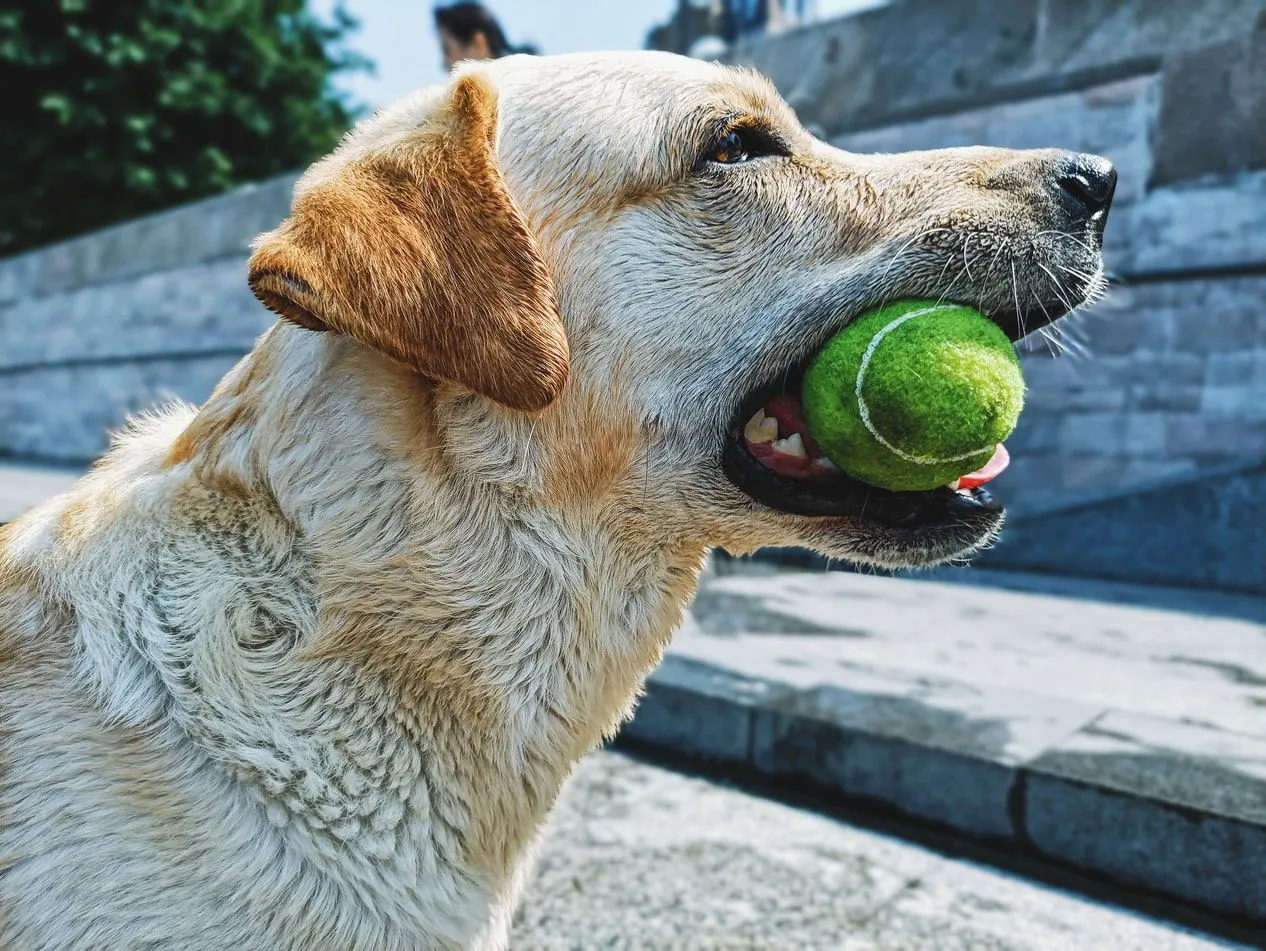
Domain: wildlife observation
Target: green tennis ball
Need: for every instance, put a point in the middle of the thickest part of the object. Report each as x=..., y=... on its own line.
x=913, y=395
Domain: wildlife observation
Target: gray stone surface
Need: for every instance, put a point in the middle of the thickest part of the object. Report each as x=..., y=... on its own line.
x=1174, y=806
x=1186, y=764
x=1186, y=531
x=1030, y=664
x=112, y=323
x=218, y=227
x=864, y=763
x=1215, y=224
x=1036, y=717
x=871, y=69
x=201, y=307
x=1215, y=109
x=66, y=413
x=1203, y=858
x=1169, y=379
x=636, y=857
x=703, y=708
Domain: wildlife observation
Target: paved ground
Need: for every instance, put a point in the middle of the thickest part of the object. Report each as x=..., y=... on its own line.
x=637, y=857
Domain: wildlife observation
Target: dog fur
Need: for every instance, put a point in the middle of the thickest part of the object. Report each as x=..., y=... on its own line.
x=306, y=667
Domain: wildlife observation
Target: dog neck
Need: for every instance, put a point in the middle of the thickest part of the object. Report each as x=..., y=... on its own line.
x=477, y=623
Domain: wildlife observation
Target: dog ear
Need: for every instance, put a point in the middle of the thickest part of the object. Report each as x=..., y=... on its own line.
x=418, y=251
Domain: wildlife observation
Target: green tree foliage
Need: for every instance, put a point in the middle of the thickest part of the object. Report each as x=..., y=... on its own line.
x=113, y=108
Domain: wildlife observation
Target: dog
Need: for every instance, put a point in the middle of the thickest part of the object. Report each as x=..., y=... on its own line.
x=306, y=667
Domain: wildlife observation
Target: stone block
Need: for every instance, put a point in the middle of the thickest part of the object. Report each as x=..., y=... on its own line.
x=1200, y=225
x=1215, y=321
x=935, y=784
x=1213, y=108
x=1039, y=431
x=1031, y=481
x=1145, y=435
x=871, y=70
x=1246, y=402
x=198, y=308
x=1163, y=396
x=218, y=227
x=1168, y=806
x=1079, y=35
x=1091, y=471
x=1077, y=383
x=1095, y=433
x=1231, y=369
x=1174, y=368
x=695, y=709
x=1202, y=528
x=1100, y=399
x=1119, y=331
x=18, y=276
x=1203, y=859
x=962, y=792
x=938, y=750
x=1078, y=371
x=1214, y=437
x=861, y=70
x=66, y=413
x=1146, y=471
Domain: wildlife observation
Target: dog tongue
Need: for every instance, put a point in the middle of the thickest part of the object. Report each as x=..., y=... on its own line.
x=988, y=472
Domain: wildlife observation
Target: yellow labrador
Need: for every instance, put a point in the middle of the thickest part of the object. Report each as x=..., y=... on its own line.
x=306, y=667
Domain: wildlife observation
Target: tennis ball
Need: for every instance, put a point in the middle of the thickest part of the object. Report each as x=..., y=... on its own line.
x=913, y=395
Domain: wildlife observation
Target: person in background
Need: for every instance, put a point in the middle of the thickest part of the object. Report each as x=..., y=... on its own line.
x=470, y=31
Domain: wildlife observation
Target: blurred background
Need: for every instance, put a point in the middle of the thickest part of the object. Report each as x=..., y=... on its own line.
x=1090, y=696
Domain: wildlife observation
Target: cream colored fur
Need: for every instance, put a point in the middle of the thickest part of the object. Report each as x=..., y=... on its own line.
x=306, y=668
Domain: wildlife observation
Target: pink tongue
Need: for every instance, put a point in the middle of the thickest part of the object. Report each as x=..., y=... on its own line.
x=987, y=473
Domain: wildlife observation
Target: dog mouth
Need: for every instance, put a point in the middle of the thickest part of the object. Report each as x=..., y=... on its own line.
x=770, y=456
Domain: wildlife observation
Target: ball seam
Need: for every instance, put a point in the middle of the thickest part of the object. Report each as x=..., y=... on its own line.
x=864, y=411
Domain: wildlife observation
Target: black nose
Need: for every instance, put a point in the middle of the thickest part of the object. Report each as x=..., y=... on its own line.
x=1087, y=182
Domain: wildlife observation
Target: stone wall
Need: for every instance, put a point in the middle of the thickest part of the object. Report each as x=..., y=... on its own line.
x=113, y=322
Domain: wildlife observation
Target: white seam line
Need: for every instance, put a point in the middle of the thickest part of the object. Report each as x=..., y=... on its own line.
x=864, y=411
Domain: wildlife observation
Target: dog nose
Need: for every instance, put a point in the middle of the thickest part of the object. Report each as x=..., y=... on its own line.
x=1087, y=183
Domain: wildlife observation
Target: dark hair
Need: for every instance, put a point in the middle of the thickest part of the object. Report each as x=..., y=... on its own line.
x=463, y=20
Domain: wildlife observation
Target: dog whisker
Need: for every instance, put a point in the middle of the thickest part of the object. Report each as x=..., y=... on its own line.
x=1047, y=314
x=1057, y=287
x=1054, y=341
x=905, y=247
x=1015, y=292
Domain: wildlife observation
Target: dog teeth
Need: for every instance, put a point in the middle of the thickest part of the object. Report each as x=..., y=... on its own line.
x=824, y=463
x=761, y=428
x=793, y=445
x=954, y=485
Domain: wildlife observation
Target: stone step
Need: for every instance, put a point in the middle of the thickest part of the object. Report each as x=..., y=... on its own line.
x=1122, y=740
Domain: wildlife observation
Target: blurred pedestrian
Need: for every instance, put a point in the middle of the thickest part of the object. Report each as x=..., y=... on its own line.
x=470, y=31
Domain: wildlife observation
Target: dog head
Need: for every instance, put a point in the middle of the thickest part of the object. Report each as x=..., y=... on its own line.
x=604, y=265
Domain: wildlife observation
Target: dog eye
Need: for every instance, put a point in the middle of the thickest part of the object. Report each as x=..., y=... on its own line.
x=737, y=146
x=733, y=149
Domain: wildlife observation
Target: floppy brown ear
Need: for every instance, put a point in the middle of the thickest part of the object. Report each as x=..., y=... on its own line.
x=419, y=252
